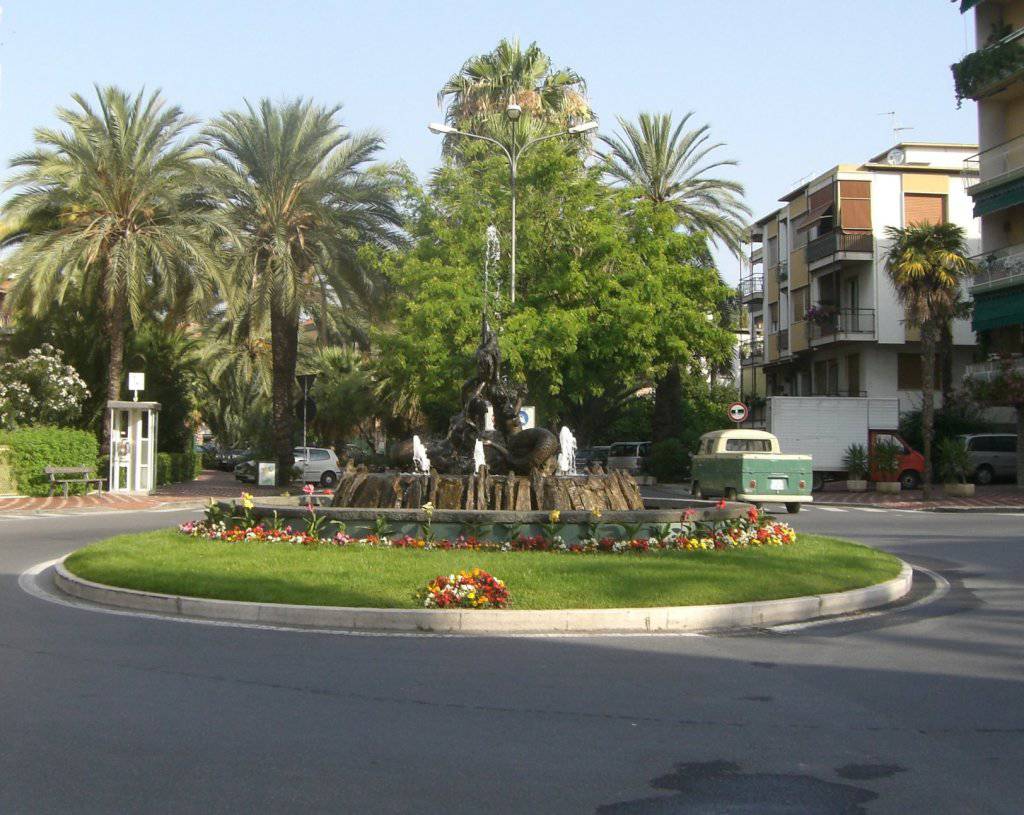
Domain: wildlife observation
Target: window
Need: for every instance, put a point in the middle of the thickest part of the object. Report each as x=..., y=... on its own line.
x=748, y=445
x=800, y=304
x=319, y=455
x=773, y=252
x=908, y=372
x=1004, y=444
x=855, y=205
x=853, y=374
x=923, y=209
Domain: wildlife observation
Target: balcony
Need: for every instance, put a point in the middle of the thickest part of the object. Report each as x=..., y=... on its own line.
x=828, y=325
x=840, y=245
x=784, y=341
x=994, y=367
x=984, y=72
x=783, y=271
x=751, y=287
x=996, y=163
x=1000, y=269
x=752, y=353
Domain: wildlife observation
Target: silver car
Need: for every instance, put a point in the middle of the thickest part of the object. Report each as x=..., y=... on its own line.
x=630, y=456
x=317, y=465
x=993, y=455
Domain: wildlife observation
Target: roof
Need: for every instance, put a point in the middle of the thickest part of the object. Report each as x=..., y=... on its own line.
x=739, y=434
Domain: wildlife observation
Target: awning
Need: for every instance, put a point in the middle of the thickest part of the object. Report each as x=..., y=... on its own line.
x=812, y=216
x=967, y=5
x=998, y=309
x=999, y=197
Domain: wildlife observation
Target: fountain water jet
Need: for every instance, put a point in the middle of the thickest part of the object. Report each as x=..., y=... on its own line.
x=567, y=452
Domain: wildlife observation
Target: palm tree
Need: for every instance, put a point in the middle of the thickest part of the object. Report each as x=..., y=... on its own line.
x=927, y=264
x=479, y=93
x=667, y=164
x=107, y=210
x=301, y=206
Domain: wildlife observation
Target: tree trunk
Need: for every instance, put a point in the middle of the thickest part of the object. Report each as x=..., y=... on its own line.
x=927, y=403
x=284, y=339
x=667, y=416
x=946, y=362
x=115, y=368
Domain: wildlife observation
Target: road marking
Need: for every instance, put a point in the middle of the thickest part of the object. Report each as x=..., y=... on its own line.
x=29, y=583
x=832, y=509
x=941, y=590
x=869, y=509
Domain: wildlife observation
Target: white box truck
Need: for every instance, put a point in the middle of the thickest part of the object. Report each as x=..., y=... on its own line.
x=825, y=426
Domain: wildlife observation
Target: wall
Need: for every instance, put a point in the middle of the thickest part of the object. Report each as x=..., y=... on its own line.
x=886, y=210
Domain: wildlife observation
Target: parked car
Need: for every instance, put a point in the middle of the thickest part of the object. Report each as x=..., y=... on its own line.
x=227, y=459
x=246, y=471
x=630, y=456
x=993, y=455
x=317, y=465
x=748, y=465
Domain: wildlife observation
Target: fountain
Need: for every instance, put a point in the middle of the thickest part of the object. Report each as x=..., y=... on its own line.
x=479, y=459
x=567, y=452
x=420, y=459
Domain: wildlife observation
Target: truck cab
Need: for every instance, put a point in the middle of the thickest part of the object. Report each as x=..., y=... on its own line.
x=748, y=465
x=911, y=462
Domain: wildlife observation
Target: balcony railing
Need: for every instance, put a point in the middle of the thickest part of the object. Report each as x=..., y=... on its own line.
x=837, y=241
x=1002, y=267
x=993, y=368
x=842, y=323
x=985, y=70
x=752, y=286
x=839, y=392
x=996, y=162
x=752, y=352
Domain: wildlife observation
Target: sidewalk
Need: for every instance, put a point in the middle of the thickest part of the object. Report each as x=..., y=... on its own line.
x=992, y=498
x=210, y=484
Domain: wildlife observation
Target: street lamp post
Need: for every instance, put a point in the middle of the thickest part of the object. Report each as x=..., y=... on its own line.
x=513, y=112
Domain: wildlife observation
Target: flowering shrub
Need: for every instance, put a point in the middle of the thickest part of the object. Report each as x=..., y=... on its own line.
x=40, y=389
x=755, y=529
x=473, y=589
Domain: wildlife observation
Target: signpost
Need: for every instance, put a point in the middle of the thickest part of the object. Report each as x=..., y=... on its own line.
x=307, y=407
x=528, y=417
x=738, y=412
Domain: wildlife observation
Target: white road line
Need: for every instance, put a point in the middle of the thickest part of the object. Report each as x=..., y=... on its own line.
x=941, y=590
x=869, y=509
x=832, y=509
x=29, y=583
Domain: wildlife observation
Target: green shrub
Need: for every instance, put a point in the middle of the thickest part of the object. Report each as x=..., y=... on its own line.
x=164, y=468
x=856, y=462
x=669, y=461
x=885, y=457
x=954, y=460
x=173, y=468
x=35, y=448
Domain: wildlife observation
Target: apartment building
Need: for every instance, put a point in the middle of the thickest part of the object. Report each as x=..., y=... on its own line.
x=824, y=318
x=993, y=75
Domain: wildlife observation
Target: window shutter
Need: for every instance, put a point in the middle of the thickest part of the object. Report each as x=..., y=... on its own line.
x=923, y=209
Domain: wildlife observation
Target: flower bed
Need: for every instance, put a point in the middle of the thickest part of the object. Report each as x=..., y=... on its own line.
x=756, y=529
x=468, y=589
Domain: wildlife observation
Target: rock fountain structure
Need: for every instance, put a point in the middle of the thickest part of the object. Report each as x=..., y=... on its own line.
x=519, y=470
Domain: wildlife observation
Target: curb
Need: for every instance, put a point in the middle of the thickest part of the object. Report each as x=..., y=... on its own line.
x=623, y=620
x=939, y=508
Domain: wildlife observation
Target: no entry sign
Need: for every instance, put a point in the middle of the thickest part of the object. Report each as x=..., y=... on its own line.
x=738, y=412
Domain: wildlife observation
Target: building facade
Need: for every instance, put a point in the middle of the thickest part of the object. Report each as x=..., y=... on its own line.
x=993, y=75
x=824, y=318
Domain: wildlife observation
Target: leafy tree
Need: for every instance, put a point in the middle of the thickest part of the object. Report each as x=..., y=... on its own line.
x=670, y=165
x=301, y=204
x=476, y=97
x=344, y=394
x=106, y=211
x=606, y=301
x=40, y=389
x=927, y=264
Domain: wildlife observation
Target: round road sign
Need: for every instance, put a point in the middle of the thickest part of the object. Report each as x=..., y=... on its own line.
x=737, y=412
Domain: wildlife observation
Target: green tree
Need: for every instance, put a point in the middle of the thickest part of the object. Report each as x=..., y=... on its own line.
x=476, y=97
x=301, y=204
x=671, y=165
x=927, y=264
x=106, y=210
x=605, y=302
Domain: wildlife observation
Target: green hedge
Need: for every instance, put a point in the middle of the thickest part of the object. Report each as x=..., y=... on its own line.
x=172, y=468
x=35, y=448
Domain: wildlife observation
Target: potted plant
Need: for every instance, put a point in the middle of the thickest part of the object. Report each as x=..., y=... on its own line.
x=885, y=460
x=954, y=464
x=856, y=463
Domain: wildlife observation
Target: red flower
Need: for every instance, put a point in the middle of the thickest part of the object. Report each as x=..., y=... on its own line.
x=721, y=504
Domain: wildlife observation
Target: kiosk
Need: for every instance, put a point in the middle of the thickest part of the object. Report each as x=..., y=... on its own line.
x=133, y=428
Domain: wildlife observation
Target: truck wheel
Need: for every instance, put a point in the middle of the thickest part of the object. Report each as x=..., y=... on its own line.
x=695, y=490
x=910, y=480
x=817, y=482
x=730, y=494
x=984, y=475
x=793, y=509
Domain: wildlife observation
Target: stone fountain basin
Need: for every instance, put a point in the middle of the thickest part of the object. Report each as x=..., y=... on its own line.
x=450, y=523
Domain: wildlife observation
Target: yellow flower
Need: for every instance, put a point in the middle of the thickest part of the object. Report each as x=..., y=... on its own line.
x=597, y=514
x=247, y=501
x=554, y=516
x=428, y=507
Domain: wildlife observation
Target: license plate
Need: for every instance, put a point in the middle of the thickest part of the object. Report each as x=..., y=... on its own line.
x=775, y=484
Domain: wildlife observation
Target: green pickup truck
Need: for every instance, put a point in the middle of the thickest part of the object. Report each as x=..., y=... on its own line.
x=747, y=465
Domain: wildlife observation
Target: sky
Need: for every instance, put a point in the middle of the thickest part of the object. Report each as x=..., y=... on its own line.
x=793, y=87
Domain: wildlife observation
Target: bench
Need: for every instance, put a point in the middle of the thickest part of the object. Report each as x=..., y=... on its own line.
x=66, y=476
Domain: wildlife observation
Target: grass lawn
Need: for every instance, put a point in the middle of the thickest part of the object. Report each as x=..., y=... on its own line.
x=169, y=562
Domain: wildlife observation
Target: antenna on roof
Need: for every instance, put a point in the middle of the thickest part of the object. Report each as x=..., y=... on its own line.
x=896, y=129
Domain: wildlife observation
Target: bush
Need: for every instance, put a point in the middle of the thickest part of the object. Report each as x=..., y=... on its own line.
x=173, y=468
x=35, y=448
x=954, y=460
x=669, y=461
x=856, y=462
x=959, y=416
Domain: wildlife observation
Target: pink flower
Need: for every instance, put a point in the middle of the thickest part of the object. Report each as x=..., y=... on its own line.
x=308, y=489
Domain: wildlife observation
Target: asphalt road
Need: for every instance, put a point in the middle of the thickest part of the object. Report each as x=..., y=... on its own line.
x=919, y=709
